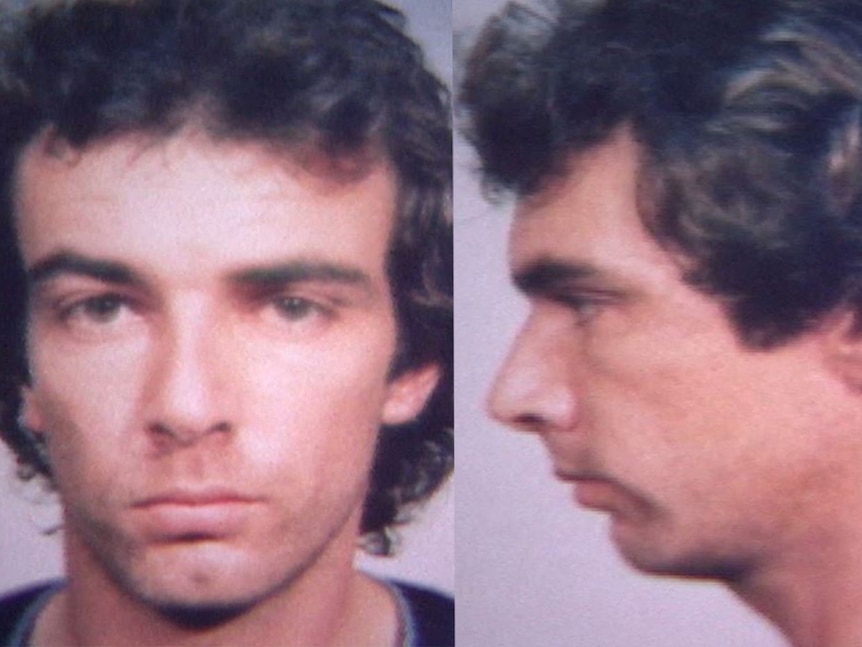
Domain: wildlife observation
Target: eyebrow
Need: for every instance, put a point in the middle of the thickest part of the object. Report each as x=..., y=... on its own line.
x=548, y=276
x=266, y=276
x=66, y=262
x=303, y=271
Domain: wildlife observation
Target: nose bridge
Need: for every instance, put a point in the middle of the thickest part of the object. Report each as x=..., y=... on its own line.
x=185, y=392
x=534, y=389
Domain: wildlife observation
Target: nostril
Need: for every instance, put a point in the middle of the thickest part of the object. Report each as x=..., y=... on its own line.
x=221, y=427
x=185, y=436
x=529, y=422
x=163, y=438
x=159, y=429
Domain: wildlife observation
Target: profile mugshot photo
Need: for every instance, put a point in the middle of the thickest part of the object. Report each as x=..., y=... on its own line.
x=687, y=208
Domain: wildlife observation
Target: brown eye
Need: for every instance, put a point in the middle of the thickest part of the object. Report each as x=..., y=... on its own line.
x=99, y=309
x=584, y=308
x=295, y=308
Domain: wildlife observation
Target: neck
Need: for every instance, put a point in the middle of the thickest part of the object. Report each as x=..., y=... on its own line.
x=814, y=595
x=329, y=604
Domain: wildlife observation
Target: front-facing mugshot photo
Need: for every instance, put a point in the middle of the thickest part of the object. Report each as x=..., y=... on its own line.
x=225, y=319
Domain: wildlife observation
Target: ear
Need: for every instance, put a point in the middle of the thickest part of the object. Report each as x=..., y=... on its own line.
x=842, y=339
x=31, y=414
x=407, y=394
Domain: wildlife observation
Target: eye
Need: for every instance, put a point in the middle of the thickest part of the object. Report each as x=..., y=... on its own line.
x=587, y=305
x=294, y=309
x=101, y=309
x=95, y=316
x=585, y=308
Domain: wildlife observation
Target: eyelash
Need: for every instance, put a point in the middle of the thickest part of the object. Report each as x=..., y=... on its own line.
x=585, y=307
x=297, y=308
x=99, y=311
x=93, y=307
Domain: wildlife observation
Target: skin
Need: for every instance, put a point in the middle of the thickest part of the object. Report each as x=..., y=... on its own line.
x=210, y=337
x=710, y=459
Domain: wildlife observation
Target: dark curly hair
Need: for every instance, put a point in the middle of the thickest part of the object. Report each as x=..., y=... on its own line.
x=748, y=119
x=337, y=78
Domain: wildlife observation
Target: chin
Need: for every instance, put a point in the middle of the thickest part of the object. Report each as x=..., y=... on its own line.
x=204, y=602
x=208, y=595
x=201, y=616
x=664, y=554
x=653, y=562
x=203, y=585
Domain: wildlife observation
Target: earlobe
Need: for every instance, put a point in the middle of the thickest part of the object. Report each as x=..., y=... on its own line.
x=843, y=342
x=408, y=393
x=30, y=423
x=30, y=416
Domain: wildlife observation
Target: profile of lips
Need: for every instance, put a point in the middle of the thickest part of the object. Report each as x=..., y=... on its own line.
x=598, y=491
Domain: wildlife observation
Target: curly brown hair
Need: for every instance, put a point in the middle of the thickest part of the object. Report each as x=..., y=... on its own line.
x=748, y=118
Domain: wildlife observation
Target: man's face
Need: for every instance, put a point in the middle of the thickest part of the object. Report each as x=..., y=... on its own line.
x=707, y=456
x=211, y=330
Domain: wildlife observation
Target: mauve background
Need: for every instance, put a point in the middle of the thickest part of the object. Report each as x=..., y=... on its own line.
x=26, y=555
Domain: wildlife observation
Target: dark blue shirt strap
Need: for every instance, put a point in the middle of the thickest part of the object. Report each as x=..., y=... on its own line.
x=19, y=610
x=430, y=616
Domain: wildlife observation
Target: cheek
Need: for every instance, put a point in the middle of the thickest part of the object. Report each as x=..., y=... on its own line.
x=715, y=426
x=85, y=404
x=95, y=393
x=667, y=411
x=86, y=452
x=320, y=408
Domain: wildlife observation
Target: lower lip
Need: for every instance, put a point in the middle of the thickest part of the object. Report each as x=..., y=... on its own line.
x=594, y=493
x=212, y=520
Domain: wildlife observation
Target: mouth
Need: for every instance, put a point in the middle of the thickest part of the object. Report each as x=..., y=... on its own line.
x=591, y=490
x=598, y=491
x=194, y=515
x=595, y=494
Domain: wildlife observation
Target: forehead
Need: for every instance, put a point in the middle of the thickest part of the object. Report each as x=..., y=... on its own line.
x=589, y=215
x=188, y=196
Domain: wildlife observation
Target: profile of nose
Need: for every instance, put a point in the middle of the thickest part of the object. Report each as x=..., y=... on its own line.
x=533, y=390
x=186, y=397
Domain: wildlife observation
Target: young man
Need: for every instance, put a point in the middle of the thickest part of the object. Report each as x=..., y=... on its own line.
x=688, y=237
x=226, y=251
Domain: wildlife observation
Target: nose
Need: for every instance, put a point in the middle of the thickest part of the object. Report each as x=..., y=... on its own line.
x=187, y=400
x=534, y=390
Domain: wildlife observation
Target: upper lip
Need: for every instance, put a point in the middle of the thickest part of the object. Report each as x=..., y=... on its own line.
x=195, y=497
x=574, y=476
